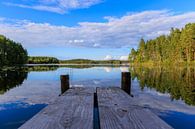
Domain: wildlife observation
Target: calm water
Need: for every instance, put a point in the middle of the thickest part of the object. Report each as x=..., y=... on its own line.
x=168, y=92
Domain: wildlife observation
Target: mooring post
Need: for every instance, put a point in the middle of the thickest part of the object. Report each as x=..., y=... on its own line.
x=64, y=83
x=126, y=82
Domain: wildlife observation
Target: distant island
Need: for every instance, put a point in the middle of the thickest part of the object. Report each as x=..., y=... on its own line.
x=176, y=48
x=53, y=60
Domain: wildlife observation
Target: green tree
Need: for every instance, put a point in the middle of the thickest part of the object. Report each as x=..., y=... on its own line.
x=178, y=46
x=11, y=53
x=132, y=56
x=42, y=60
x=141, y=50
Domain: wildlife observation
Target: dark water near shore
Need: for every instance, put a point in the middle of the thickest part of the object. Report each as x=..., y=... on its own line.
x=168, y=92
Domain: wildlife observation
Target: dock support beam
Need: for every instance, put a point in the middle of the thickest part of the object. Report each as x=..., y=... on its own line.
x=65, y=85
x=126, y=82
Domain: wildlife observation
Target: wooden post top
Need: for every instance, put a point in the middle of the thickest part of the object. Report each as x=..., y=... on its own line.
x=64, y=76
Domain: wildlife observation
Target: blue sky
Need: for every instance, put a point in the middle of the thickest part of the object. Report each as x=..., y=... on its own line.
x=95, y=29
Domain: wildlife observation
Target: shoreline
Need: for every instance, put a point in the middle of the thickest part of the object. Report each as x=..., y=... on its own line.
x=77, y=64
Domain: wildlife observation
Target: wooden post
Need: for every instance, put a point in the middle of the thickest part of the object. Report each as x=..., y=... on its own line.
x=64, y=83
x=126, y=82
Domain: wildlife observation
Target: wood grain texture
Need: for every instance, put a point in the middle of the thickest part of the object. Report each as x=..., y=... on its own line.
x=117, y=110
x=72, y=110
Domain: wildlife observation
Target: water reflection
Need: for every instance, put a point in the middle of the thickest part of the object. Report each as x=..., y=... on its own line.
x=11, y=78
x=27, y=90
x=15, y=114
x=42, y=68
x=178, y=82
x=108, y=69
x=184, y=120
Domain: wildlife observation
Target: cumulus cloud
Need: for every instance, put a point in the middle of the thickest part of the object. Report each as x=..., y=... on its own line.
x=108, y=57
x=124, y=58
x=57, y=6
x=96, y=45
x=119, y=32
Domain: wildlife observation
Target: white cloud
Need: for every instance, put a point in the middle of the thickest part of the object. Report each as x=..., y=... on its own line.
x=124, y=58
x=57, y=6
x=108, y=57
x=120, y=32
x=96, y=45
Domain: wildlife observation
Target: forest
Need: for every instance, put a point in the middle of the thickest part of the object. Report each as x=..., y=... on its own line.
x=42, y=60
x=11, y=53
x=176, y=47
x=86, y=61
x=53, y=60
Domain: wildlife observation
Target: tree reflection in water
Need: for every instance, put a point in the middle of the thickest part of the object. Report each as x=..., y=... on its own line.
x=11, y=78
x=179, y=82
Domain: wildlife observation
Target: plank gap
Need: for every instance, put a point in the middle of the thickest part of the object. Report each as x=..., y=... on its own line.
x=96, y=119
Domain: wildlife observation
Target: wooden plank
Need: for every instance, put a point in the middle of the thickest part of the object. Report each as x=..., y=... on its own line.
x=117, y=110
x=72, y=110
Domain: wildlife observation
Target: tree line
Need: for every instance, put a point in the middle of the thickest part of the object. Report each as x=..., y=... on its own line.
x=87, y=61
x=53, y=60
x=11, y=53
x=42, y=60
x=178, y=46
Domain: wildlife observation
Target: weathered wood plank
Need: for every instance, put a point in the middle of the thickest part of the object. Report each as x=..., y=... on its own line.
x=117, y=110
x=72, y=110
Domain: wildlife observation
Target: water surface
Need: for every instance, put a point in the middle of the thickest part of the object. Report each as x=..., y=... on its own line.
x=168, y=92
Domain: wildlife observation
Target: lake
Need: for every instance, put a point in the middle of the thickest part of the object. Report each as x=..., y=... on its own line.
x=168, y=92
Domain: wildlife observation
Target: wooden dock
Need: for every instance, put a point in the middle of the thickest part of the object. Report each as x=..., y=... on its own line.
x=117, y=110
x=100, y=108
x=74, y=110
